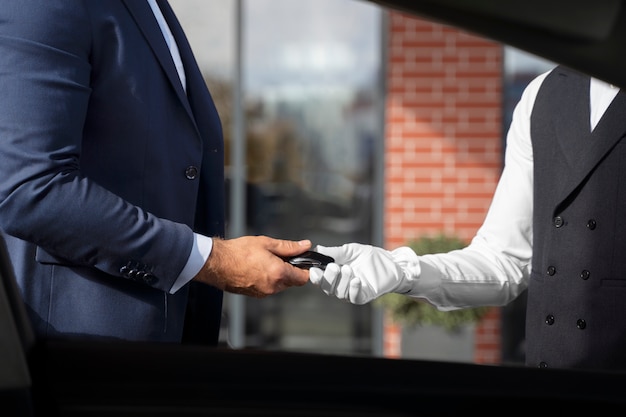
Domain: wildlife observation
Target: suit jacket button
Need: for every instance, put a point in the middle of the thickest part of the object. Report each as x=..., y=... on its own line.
x=148, y=278
x=125, y=271
x=191, y=172
x=591, y=224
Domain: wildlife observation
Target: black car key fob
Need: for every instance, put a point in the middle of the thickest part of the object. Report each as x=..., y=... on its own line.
x=310, y=259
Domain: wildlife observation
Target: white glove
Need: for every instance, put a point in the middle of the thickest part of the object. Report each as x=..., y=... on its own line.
x=362, y=273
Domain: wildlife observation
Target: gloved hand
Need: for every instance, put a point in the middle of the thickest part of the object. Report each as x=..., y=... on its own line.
x=362, y=273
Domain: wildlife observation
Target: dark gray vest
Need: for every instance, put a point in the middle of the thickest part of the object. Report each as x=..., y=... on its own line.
x=576, y=315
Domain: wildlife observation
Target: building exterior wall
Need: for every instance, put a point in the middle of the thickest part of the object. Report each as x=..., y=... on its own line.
x=443, y=142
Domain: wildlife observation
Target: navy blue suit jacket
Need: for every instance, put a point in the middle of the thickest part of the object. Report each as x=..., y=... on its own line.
x=107, y=167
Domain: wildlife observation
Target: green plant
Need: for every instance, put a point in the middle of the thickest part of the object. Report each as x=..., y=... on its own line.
x=411, y=311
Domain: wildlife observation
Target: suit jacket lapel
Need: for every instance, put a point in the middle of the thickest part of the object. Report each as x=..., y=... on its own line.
x=141, y=12
x=198, y=94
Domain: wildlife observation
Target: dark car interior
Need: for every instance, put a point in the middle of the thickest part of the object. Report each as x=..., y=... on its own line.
x=95, y=378
x=91, y=378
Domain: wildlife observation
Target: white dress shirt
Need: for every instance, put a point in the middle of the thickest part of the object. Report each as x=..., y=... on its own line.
x=202, y=245
x=495, y=267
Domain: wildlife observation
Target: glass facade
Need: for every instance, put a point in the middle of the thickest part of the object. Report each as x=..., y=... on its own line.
x=299, y=89
x=308, y=129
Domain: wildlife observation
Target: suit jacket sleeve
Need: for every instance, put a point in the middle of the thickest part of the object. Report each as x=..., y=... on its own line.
x=94, y=141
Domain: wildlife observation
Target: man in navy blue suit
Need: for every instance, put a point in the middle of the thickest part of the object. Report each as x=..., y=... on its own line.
x=112, y=177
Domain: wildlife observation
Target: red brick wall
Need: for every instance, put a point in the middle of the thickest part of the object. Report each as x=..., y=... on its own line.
x=443, y=135
x=487, y=343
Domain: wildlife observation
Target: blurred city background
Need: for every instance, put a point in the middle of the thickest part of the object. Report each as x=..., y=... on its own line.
x=347, y=122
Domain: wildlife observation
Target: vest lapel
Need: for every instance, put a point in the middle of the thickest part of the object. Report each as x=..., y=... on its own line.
x=611, y=127
x=583, y=149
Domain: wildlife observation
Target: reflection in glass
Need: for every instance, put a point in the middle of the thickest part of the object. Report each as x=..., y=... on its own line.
x=311, y=82
x=311, y=87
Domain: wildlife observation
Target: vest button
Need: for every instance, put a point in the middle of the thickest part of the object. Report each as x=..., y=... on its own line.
x=191, y=172
x=585, y=274
x=581, y=324
x=558, y=221
x=591, y=224
x=551, y=270
x=549, y=319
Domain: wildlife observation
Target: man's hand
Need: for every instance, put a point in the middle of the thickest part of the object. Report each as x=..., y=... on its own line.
x=362, y=273
x=253, y=265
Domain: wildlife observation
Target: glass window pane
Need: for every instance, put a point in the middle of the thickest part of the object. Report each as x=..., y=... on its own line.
x=310, y=78
x=311, y=71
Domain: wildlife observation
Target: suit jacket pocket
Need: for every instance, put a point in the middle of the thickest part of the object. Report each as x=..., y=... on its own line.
x=47, y=258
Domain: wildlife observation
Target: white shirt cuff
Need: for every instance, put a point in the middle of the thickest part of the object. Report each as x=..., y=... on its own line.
x=200, y=252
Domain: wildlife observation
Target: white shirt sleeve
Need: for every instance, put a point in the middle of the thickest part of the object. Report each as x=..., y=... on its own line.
x=494, y=268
